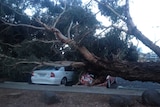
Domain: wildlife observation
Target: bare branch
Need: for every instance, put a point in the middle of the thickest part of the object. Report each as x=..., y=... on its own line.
x=8, y=57
x=84, y=35
x=24, y=25
x=37, y=40
x=10, y=45
x=104, y=29
x=5, y=29
x=156, y=41
x=76, y=25
x=37, y=67
x=43, y=41
x=69, y=30
x=60, y=15
x=88, y=3
x=57, y=63
x=102, y=32
x=129, y=22
x=40, y=22
x=121, y=29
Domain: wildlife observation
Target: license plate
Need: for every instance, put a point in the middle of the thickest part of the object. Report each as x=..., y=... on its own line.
x=42, y=75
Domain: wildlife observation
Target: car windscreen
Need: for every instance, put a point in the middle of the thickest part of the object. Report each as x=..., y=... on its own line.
x=47, y=68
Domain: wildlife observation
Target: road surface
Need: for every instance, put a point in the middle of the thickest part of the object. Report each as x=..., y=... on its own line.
x=136, y=84
x=82, y=89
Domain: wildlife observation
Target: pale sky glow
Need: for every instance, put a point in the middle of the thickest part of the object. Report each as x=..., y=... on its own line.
x=30, y=11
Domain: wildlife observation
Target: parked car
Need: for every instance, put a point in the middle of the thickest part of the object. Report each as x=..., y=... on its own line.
x=52, y=75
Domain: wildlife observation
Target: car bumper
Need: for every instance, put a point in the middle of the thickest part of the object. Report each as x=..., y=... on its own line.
x=45, y=80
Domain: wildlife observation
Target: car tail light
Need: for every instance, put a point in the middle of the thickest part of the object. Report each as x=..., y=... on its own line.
x=52, y=74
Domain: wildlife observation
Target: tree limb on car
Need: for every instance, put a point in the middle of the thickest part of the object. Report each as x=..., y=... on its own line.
x=127, y=70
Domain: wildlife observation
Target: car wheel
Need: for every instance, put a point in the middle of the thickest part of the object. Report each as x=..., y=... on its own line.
x=29, y=80
x=64, y=81
x=108, y=84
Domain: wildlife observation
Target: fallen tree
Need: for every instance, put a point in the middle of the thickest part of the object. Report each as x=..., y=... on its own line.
x=146, y=71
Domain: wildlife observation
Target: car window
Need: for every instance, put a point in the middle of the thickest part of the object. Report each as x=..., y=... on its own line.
x=69, y=68
x=47, y=68
x=57, y=68
x=50, y=67
x=41, y=68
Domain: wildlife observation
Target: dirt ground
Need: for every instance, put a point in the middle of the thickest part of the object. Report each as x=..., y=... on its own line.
x=28, y=98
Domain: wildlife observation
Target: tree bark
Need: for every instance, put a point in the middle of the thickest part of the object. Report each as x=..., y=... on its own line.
x=144, y=40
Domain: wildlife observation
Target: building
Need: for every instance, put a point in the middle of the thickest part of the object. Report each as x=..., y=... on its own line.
x=148, y=57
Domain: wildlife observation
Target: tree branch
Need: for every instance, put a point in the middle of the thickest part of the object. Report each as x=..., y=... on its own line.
x=156, y=41
x=5, y=29
x=109, y=7
x=7, y=44
x=56, y=63
x=8, y=57
x=43, y=24
x=43, y=41
x=60, y=15
x=69, y=30
x=24, y=25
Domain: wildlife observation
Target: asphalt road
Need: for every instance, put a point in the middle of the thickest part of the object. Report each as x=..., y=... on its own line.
x=136, y=84
x=82, y=89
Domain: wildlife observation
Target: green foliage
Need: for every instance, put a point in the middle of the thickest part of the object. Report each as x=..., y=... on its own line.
x=132, y=54
x=114, y=43
x=110, y=45
x=115, y=4
x=21, y=72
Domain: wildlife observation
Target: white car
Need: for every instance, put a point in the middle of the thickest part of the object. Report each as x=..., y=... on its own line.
x=52, y=75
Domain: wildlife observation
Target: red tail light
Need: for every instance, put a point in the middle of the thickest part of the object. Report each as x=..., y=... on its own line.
x=52, y=74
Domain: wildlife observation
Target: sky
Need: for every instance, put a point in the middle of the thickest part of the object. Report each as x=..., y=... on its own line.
x=146, y=17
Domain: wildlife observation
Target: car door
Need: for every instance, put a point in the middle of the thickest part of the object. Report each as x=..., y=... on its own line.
x=61, y=72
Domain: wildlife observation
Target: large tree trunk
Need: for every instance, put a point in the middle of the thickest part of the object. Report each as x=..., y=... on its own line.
x=145, y=40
